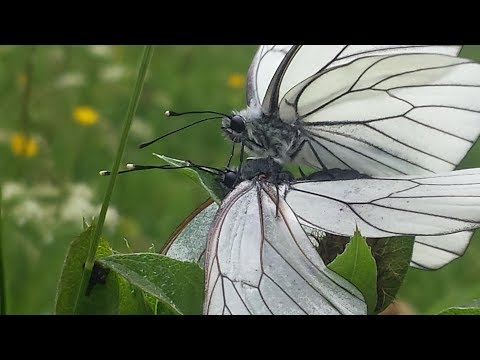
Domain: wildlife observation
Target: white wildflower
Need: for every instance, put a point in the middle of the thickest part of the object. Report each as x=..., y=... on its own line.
x=70, y=80
x=141, y=129
x=103, y=51
x=12, y=189
x=29, y=211
x=78, y=204
x=112, y=218
x=81, y=190
x=112, y=73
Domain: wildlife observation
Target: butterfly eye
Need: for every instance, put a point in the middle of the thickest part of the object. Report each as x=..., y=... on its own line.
x=237, y=124
x=229, y=179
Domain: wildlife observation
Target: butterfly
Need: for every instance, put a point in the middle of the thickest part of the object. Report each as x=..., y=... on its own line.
x=383, y=110
x=259, y=259
x=378, y=109
x=353, y=108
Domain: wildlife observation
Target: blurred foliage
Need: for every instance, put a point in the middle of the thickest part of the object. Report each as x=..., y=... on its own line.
x=62, y=109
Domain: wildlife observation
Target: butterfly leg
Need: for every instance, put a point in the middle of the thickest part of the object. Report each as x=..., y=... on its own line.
x=231, y=156
x=277, y=201
x=239, y=172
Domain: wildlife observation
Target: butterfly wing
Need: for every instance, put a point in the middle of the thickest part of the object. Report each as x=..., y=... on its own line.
x=388, y=115
x=436, y=205
x=189, y=241
x=261, y=263
x=279, y=68
x=261, y=71
x=434, y=252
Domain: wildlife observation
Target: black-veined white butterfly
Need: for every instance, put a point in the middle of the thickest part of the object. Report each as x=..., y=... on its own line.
x=379, y=109
x=383, y=110
x=355, y=108
x=257, y=248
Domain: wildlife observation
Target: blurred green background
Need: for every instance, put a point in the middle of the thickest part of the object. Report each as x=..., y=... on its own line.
x=61, y=114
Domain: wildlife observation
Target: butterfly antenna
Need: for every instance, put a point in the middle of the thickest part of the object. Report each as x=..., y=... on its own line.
x=145, y=144
x=209, y=169
x=173, y=113
x=137, y=167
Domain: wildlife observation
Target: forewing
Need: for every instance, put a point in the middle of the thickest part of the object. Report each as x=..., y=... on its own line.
x=261, y=71
x=388, y=115
x=440, y=204
x=274, y=79
x=261, y=263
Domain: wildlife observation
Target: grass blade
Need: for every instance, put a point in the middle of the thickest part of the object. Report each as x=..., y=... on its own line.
x=3, y=294
x=132, y=107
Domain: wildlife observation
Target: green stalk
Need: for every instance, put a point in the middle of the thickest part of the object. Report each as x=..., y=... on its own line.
x=27, y=91
x=3, y=293
x=132, y=107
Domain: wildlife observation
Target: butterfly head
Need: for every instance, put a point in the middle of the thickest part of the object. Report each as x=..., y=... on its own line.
x=234, y=127
x=229, y=178
x=263, y=135
x=240, y=127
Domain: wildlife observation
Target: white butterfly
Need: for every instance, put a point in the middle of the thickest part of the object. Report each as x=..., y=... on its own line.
x=259, y=263
x=429, y=252
x=383, y=110
x=355, y=107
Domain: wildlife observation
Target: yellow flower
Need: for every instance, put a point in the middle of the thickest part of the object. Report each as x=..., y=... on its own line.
x=236, y=81
x=23, y=146
x=85, y=115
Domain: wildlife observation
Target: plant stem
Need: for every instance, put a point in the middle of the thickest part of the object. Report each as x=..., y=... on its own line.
x=3, y=293
x=132, y=107
x=27, y=91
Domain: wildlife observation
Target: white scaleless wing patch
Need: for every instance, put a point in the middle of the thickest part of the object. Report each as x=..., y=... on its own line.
x=436, y=205
x=190, y=239
x=434, y=252
x=268, y=69
x=261, y=263
x=388, y=115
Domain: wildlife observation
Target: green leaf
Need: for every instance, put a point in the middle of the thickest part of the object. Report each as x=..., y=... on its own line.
x=101, y=297
x=357, y=265
x=102, y=294
x=177, y=285
x=461, y=311
x=208, y=181
x=157, y=307
x=392, y=256
x=106, y=293
x=132, y=300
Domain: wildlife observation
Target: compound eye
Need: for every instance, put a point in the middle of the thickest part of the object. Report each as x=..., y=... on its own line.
x=229, y=179
x=237, y=124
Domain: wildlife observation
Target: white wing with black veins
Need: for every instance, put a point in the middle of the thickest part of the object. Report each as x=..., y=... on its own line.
x=261, y=263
